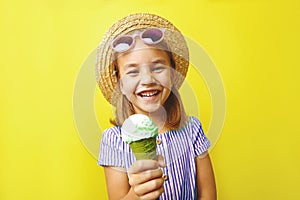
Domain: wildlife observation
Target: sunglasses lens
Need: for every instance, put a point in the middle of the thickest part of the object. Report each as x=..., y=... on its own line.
x=152, y=36
x=122, y=43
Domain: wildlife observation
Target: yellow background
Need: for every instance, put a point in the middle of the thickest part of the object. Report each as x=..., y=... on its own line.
x=254, y=44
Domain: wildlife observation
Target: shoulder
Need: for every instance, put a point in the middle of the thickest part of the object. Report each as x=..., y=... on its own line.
x=112, y=134
x=194, y=120
x=193, y=123
x=112, y=149
x=115, y=130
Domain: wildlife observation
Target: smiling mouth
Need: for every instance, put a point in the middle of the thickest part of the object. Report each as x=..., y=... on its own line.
x=147, y=94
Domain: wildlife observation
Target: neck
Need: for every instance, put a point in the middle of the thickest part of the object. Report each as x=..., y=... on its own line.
x=159, y=117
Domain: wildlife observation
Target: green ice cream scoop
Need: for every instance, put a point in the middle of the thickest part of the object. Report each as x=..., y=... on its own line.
x=140, y=133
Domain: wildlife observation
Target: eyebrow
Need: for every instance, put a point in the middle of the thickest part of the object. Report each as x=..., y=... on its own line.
x=130, y=65
x=154, y=61
x=159, y=60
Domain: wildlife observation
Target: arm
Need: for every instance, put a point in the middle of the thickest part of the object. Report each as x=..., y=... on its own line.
x=206, y=185
x=145, y=181
x=117, y=183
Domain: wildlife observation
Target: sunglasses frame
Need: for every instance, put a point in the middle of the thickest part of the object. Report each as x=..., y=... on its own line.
x=134, y=35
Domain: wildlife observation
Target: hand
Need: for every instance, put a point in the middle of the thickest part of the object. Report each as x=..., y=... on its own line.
x=145, y=178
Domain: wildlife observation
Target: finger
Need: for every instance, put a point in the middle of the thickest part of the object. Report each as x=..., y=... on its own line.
x=161, y=161
x=149, y=186
x=153, y=195
x=139, y=178
x=143, y=165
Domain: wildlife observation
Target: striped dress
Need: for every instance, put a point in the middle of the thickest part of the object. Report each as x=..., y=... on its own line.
x=179, y=149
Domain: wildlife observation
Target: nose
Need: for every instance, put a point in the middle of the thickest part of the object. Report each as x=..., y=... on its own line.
x=146, y=76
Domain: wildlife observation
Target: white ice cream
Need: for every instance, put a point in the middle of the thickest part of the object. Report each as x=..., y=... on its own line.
x=138, y=127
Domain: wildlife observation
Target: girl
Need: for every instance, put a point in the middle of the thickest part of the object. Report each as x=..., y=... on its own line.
x=142, y=61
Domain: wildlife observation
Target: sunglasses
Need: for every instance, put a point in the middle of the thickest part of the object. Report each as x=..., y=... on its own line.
x=149, y=36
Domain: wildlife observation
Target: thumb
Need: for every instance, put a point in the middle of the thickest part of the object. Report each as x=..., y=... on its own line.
x=160, y=160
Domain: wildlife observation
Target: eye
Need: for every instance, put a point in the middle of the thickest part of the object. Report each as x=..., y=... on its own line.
x=158, y=68
x=132, y=72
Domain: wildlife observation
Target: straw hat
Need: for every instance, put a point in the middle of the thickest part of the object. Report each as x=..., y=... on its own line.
x=105, y=72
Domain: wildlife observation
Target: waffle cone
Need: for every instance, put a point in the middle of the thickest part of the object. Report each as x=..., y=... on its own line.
x=144, y=149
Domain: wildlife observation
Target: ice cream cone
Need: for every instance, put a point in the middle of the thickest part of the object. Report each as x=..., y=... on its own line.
x=144, y=149
x=140, y=133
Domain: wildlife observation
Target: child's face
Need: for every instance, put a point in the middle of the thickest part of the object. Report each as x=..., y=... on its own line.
x=145, y=77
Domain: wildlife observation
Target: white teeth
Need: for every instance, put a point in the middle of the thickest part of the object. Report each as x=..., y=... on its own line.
x=148, y=94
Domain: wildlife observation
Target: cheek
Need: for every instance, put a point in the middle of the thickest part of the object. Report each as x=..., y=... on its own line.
x=127, y=85
x=165, y=80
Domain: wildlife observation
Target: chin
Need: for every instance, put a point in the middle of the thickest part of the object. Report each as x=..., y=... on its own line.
x=149, y=108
